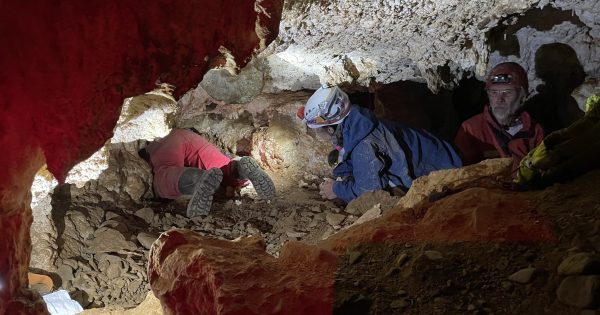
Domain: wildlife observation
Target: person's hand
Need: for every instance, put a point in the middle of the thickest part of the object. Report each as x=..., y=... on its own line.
x=326, y=189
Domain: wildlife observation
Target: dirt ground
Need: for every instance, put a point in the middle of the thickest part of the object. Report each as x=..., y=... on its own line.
x=417, y=277
x=103, y=249
x=473, y=277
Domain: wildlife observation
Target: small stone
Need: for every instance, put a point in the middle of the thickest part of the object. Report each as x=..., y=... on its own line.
x=401, y=260
x=392, y=271
x=146, y=214
x=109, y=240
x=111, y=215
x=507, y=285
x=354, y=257
x=471, y=307
x=371, y=214
x=295, y=234
x=134, y=286
x=402, y=293
x=397, y=304
x=581, y=263
x=334, y=218
x=66, y=273
x=327, y=233
x=251, y=230
x=146, y=239
x=302, y=184
x=70, y=262
x=113, y=271
x=580, y=291
x=522, y=276
x=433, y=255
x=315, y=221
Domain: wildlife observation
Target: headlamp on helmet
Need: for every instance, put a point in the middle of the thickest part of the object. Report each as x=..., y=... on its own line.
x=508, y=73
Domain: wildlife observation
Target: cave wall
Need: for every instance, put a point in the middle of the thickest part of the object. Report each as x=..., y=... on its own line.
x=436, y=42
x=67, y=68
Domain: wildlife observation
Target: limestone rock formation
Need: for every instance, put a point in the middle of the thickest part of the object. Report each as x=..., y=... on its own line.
x=191, y=274
x=68, y=68
x=437, y=42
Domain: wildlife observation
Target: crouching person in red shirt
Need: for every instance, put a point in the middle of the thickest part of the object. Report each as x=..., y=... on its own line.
x=185, y=163
x=503, y=129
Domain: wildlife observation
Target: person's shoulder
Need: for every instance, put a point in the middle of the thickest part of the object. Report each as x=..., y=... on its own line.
x=477, y=119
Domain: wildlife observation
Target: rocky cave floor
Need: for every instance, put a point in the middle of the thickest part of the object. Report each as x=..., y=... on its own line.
x=103, y=251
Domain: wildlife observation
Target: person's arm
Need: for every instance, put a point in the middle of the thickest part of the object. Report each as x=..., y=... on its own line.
x=538, y=136
x=366, y=173
x=467, y=146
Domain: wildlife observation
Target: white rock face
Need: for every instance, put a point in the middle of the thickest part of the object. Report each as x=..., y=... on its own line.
x=142, y=117
x=43, y=231
x=530, y=40
x=354, y=41
x=231, y=88
x=128, y=179
x=388, y=41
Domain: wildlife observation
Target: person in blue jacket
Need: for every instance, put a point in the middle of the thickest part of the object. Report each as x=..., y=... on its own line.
x=375, y=154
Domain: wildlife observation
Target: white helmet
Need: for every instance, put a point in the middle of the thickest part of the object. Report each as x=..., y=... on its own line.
x=327, y=106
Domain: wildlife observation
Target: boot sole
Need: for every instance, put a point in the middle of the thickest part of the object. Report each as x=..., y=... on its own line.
x=203, y=193
x=249, y=169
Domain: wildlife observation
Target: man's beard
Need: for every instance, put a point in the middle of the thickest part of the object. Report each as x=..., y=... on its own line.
x=506, y=113
x=503, y=115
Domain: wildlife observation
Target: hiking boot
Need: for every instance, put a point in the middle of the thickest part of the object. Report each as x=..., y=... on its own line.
x=203, y=192
x=248, y=169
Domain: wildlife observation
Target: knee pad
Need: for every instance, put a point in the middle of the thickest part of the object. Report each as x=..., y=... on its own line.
x=188, y=180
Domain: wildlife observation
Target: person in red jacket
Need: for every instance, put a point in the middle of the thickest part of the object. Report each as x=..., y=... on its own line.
x=185, y=163
x=503, y=129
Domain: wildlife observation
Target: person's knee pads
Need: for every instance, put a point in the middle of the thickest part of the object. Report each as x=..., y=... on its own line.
x=188, y=180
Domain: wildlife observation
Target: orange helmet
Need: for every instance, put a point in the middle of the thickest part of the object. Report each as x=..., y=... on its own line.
x=508, y=73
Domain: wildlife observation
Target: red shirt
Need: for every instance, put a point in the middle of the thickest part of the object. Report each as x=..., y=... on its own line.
x=481, y=137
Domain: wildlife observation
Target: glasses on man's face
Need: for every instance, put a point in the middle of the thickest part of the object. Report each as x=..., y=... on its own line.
x=501, y=93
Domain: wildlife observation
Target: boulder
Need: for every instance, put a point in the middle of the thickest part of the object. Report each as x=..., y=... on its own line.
x=192, y=274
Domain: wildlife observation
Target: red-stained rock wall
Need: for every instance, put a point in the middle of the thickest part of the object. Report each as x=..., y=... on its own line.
x=192, y=274
x=65, y=67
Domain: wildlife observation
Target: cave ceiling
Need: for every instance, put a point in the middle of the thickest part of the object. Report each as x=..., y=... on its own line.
x=362, y=43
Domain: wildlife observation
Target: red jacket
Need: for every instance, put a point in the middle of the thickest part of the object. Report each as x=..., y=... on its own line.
x=481, y=137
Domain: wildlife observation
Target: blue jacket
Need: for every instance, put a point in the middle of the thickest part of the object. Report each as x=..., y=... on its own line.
x=379, y=154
